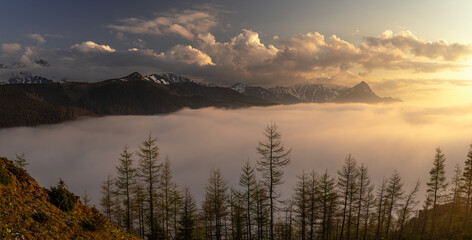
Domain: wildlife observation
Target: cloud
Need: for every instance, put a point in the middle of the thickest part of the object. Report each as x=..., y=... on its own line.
x=188, y=55
x=408, y=43
x=11, y=47
x=37, y=37
x=186, y=23
x=394, y=136
x=311, y=57
x=90, y=46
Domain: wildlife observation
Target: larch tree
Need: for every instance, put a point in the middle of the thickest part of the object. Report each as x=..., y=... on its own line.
x=273, y=157
x=456, y=183
x=327, y=197
x=107, y=199
x=347, y=178
x=148, y=171
x=437, y=184
x=86, y=199
x=393, y=193
x=262, y=212
x=168, y=197
x=466, y=187
x=125, y=180
x=313, y=204
x=139, y=206
x=216, y=204
x=407, y=207
x=380, y=208
x=247, y=180
x=301, y=202
x=364, y=184
x=188, y=217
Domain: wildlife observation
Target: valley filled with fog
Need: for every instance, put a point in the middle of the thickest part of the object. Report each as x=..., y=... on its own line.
x=384, y=137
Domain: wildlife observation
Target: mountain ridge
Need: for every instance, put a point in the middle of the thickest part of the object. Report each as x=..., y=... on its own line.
x=53, y=102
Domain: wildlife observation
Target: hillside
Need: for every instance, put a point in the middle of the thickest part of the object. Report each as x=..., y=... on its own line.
x=27, y=212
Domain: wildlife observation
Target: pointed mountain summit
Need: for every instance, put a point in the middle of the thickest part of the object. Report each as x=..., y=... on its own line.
x=133, y=77
x=359, y=93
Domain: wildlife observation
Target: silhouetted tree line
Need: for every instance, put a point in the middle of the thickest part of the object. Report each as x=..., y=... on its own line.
x=144, y=199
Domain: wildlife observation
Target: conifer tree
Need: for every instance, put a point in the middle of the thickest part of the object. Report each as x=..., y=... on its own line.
x=262, y=211
x=380, y=208
x=347, y=177
x=139, y=206
x=436, y=186
x=273, y=157
x=188, y=217
x=406, y=208
x=125, y=180
x=148, y=172
x=169, y=198
x=301, y=202
x=393, y=193
x=86, y=198
x=247, y=180
x=216, y=204
x=106, y=200
x=466, y=187
x=364, y=184
x=20, y=161
x=313, y=203
x=369, y=201
x=455, y=194
x=328, y=196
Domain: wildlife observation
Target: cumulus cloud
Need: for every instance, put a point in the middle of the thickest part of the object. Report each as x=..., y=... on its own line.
x=186, y=23
x=90, y=46
x=187, y=54
x=11, y=47
x=310, y=57
x=37, y=37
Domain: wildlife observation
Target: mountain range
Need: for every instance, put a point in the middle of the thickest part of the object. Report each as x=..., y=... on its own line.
x=31, y=100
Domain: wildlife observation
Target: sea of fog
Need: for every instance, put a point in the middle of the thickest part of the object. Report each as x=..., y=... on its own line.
x=384, y=137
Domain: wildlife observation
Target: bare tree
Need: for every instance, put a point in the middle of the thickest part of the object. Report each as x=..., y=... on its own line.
x=301, y=201
x=216, y=203
x=247, y=180
x=364, y=184
x=408, y=205
x=455, y=194
x=273, y=157
x=125, y=179
x=148, y=171
x=106, y=200
x=347, y=177
x=393, y=193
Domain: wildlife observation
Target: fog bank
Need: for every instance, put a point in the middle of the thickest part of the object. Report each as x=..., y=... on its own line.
x=384, y=137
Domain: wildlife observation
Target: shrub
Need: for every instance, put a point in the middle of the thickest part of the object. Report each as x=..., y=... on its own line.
x=40, y=217
x=4, y=177
x=19, y=173
x=61, y=197
x=96, y=222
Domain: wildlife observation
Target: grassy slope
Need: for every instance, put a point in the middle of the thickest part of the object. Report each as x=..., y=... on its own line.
x=22, y=198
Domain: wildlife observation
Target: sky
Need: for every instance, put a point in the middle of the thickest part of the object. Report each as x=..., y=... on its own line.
x=408, y=49
x=401, y=136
